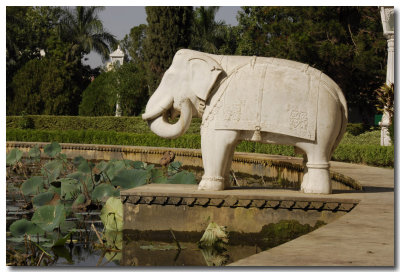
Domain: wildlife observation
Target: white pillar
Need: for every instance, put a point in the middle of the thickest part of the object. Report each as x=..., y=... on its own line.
x=387, y=16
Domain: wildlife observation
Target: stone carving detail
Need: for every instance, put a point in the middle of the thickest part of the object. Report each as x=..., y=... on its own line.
x=233, y=202
x=298, y=120
x=249, y=96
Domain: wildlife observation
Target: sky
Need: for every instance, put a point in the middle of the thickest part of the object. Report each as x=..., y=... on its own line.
x=119, y=21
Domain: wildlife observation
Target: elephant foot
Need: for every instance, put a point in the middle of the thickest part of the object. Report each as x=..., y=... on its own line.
x=211, y=184
x=317, y=179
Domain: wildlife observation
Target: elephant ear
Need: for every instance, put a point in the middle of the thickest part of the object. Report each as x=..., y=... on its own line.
x=204, y=71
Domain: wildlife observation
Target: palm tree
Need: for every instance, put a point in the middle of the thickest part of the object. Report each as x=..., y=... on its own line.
x=208, y=33
x=82, y=27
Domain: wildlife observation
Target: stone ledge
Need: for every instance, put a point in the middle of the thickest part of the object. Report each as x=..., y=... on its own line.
x=188, y=195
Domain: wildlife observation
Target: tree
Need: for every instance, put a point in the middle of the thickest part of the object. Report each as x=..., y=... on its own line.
x=346, y=43
x=127, y=80
x=27, y=29
x=84, y=30
x=132, y=44
x=168, y=30
x=46, y=86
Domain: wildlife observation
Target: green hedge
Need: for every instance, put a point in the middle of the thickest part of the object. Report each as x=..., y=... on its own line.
x=357, y=153
x=105, y=123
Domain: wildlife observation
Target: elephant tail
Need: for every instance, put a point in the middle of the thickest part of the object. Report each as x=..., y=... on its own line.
x=345, y=115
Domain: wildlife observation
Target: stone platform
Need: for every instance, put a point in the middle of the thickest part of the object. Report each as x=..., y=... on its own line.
x=184, y=208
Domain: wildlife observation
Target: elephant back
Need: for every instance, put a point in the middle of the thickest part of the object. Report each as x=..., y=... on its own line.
x=271, y=95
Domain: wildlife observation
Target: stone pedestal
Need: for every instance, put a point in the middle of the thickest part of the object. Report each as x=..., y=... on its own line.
x=159, y=207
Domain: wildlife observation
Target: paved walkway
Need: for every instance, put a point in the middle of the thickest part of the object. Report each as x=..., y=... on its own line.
x=363, y=237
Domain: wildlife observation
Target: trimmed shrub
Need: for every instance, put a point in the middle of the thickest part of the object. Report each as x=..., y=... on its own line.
x=356, y=153
x=104, y=123
x=356, y=128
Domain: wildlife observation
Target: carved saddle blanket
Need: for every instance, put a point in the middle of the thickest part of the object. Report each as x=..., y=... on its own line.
x=271, y=95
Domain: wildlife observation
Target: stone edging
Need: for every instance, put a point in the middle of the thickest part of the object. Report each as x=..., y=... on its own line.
x=234, y=202
x=287, y=162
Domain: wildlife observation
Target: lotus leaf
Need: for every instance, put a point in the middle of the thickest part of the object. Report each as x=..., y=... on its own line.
x=32, y=186
x=49, y=217
x=102, y=166
x=62, y=241
x=113, y=240
x=183, y=177
x=68, y=226
x=52, y=149
x=63, y=252
x=130, y=178
x=78, y=160
x=103, y=191
x=113, y=168
x=34, y=153
x=112, y=214
x=52, y=170
x=14, y=156
x=157, y=176
x=69, y=188
x=42, y=199
x=174, y=167
x=22, y=226
x=138, y=165
x=85, y=166
x=82, y=178
x=80, y=199
x=54, y=189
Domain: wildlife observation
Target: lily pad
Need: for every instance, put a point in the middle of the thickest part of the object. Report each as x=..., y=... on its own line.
x=112, y=214
x=14, y=156
x=130, y=178
x=52, y=149
x=32, y=186
x=157, y=176
x=174, y=167
x=22, y=226
x=69, y=188
x=103, y=191
x=183, y=177
x=42, y=199
x=49, y=217
x=34, y=153
x=52, y=170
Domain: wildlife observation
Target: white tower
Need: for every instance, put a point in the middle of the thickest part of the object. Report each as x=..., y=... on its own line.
x=117, y=59
x=387, y=16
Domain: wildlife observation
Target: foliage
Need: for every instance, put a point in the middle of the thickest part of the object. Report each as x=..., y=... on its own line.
x=79, y=186
x=99, y=98
x=84, y=30
x=356, y=128
x=132, y=44
x=385, y=96
x=168, y=30
x=207, y=33
x=27, y=29
x=346, y=43
x=127, y=82
x=104, y=123
x=47, y=86
x=112, y=214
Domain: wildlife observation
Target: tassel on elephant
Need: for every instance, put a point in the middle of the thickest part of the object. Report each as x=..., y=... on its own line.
x=258, y=99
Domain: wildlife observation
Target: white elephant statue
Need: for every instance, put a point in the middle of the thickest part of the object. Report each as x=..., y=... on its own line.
x=260, y=99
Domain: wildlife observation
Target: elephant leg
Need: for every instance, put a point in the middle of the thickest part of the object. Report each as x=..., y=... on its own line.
x=316, y=177
x=305, y=160
x=227, y=167
x=216, y=148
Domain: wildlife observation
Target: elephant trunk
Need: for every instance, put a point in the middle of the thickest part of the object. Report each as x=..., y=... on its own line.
x=154, y=108
x=162, y=128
